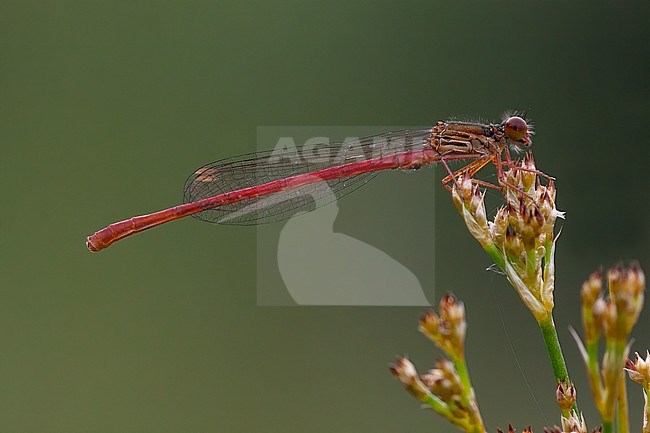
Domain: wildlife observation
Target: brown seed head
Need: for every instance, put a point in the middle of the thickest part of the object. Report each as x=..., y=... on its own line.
x=448, y=329
x=500, y=225
x=443, y=380
x=429, y=324
x=528, y=178
x=591, y=288
x=609, y=319
x=639, y=370
x=531, y=222
x=405, y=371
x=565, y=395
x=574, y=424
x=477, y=206
x=514, y=245
x=626, y=288
x=452, y=310
x=550, y=188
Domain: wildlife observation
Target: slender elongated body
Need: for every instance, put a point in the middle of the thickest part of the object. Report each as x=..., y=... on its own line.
x=272, y=186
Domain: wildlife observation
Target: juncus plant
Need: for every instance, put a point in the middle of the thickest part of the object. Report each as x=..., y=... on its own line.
x=521, y=240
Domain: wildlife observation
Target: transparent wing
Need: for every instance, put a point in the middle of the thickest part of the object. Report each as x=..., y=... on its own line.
x=255, y=169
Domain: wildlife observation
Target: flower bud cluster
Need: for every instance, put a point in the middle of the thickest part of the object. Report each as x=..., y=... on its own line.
x=446, y=330
x=565, y=396
x=612, y=315
x=574, y=423
x=639, y=370
x=444, y=382
x=521, y=237
x=593, y=306
x=626, y=292
x=405, y=371
x=446, y=388
x=616, y=313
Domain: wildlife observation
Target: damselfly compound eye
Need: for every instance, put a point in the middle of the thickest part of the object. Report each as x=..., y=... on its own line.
x=516, y=129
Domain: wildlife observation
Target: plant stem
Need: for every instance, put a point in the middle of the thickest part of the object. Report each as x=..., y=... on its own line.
x=547, y=326
x=593, y=369
x=646, y=409
x=608, y=426
x=442, y=409
x=469, y=398
x=495, y=255
x=622, y=419
x=461, y=368
x=530, y=264
x=553, y=348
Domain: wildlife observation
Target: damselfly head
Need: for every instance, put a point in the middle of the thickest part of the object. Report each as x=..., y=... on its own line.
x=518, y=131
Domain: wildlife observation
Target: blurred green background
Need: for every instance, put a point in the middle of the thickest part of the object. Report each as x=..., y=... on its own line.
x=106, y=107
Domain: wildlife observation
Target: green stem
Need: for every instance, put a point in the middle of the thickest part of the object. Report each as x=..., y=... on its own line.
x=531, y=265
x=461, y=368
x=594, y=373
x=443, y=410
x=553, y=348
x=547, y=326
x=495, y=255
x=608, y=426
x=615, y=351
x=622, y=419
x=469, y=398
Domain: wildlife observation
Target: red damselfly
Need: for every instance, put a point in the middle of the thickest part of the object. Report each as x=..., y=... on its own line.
x=272, y=186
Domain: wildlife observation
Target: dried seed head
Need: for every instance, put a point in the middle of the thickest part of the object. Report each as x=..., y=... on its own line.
x=609, y=319
x=550, y=188
x=443, y=380
x=593, y=307
x=574, y=424
x=446, y=330
x=438, y=384
x=528, y=177
x=514, y=246
x=499, y=226
x=477, y=207
x=533, y=221
x=405, y=371
x=513, y=177
x=565, y=395
x=429, y=324
x=592, y=319
x=626, y=289
x=639, y=370
x=591, y=288
x=599, y=309
x=515, y=219
x=470, y=203
x=546, y=205
x=465, y=183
